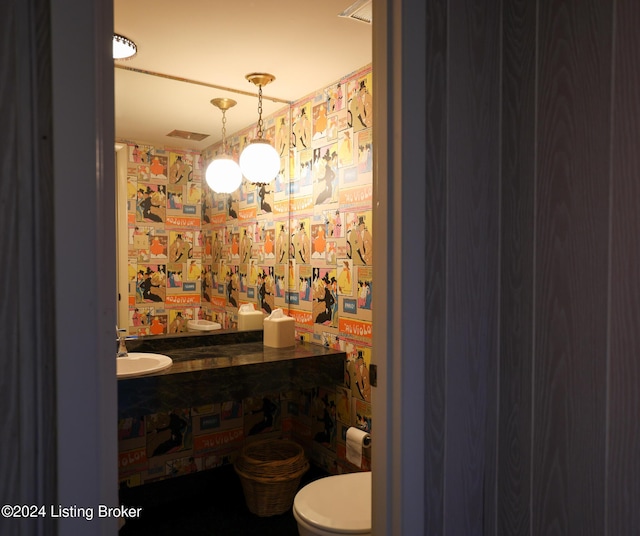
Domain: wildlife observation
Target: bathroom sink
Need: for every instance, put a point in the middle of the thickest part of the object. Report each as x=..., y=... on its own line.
x=141, y=363
x=202, y=325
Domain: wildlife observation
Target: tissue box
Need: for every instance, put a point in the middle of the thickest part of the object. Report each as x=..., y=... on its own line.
x=249, y=319
x=279, y=332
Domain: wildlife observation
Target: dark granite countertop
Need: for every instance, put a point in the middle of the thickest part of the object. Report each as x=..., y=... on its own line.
x=223, y=367
x=202, y=358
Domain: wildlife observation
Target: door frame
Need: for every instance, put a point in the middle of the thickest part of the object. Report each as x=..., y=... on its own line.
x=399, y=228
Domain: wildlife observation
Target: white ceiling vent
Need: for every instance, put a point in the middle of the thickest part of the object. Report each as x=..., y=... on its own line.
x=360, y=10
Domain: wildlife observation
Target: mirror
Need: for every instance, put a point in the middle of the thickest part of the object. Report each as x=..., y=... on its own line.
x=302, y=243
x=282, y=226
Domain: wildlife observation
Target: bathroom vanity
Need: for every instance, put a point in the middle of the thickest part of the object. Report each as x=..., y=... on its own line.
x=223, y=366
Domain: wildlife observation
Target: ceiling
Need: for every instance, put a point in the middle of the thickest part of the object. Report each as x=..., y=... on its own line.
x=303, y=43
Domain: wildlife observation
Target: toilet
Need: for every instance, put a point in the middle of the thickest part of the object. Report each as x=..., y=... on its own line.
x=335, y=505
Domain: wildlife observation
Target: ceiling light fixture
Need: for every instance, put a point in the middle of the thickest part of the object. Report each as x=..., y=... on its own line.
x=123, y=48
x=223, y=174
x=259, y=161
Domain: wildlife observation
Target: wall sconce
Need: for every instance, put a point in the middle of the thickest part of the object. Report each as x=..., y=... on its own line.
x=123, y=48
x=223, y=174
x=259, y=160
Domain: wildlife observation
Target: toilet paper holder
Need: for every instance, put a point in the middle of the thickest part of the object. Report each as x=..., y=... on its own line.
x=366, y=442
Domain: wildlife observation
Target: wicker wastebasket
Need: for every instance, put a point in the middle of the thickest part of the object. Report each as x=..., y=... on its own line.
x=270, y=471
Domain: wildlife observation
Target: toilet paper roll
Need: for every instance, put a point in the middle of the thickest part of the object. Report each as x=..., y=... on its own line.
x=356, y=441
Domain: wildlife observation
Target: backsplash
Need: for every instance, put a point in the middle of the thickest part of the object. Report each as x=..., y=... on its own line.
x=302, y=243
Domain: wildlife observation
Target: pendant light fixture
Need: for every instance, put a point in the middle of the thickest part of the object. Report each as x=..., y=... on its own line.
x=259, y=161
x=223, y=174
x=123, y=48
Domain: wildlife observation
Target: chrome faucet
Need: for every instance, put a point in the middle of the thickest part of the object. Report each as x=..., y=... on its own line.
x=122, y=346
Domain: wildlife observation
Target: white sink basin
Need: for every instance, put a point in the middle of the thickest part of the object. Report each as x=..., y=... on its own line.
x=141, y=363
x=202, y=325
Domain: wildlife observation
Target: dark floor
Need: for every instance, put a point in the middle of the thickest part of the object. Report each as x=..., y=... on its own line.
x=210, y=503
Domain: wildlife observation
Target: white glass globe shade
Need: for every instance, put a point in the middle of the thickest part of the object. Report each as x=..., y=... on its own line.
x=123, y=48
x=260, y=162
x=223, y=175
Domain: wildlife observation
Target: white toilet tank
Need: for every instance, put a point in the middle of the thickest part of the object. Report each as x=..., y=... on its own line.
x=335, y=505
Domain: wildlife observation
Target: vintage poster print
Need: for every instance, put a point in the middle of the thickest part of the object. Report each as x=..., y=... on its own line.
x=318, y=240
x=335, y=99
x=143, y=173
x=151, y=201
x=365, y=288
x=335, y=224
x=177, y=321
x=252, y=272
x=301, y=127
x=143, y=255
x=140, y=154
x=319, y=120
x=141, y=316
x=232, y=285
x=360, y=104
x=216, y=247
x=194, y=270
x=323, y=417
x=174, y=198
x=281, y=141
x=151, y=283
x=174, y=276
x=345, y=277
x=168, y=432
x=358, y=369
x=265, y=198
x=301, y=241
x=262, y=414
x=194, y=193
x=305, y=282
x=305, y=174
x=244, y=249
x=158, y=247
x=282, y=243
x=181, y=246
x=292, y=272
x=326, y=172
x=268, y=247
x=365, y=151
x=345, y=148
x=362, y=412
x=280, y=278
x=332, y=127
x=359, y=239
x=158, y=167
x=343, y=405
x=325, y=295
x=158, y=324
x=180, y=168
x=266, y=289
